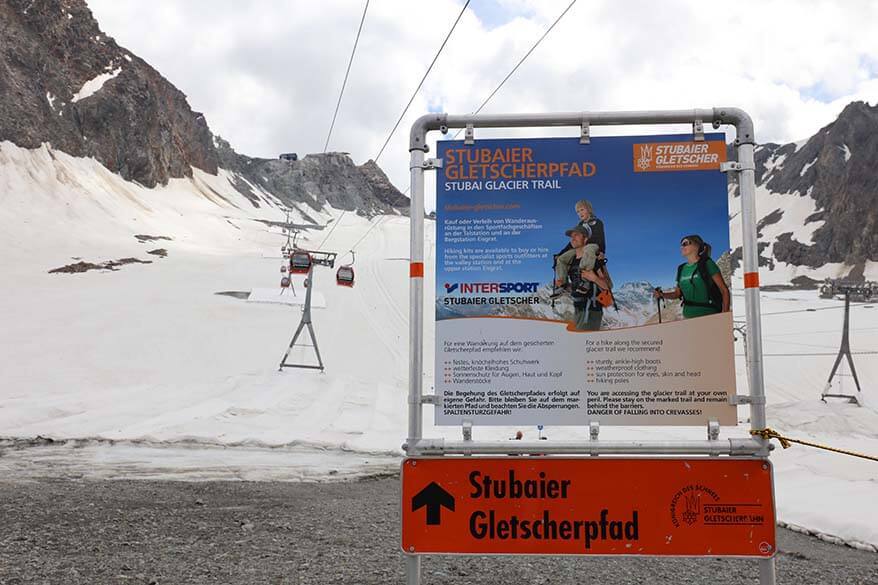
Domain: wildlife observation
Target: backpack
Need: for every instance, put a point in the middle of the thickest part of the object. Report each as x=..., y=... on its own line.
x=714, y=295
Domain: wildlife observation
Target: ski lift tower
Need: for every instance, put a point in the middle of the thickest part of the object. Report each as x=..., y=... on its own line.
x=305, y=322
x=844, y=351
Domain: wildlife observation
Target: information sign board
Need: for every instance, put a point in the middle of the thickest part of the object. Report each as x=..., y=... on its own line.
x=548, y=255
x=588, y=506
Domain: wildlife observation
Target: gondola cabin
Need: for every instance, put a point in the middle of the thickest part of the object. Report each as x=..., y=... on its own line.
x=345, y=276
x=300, y=262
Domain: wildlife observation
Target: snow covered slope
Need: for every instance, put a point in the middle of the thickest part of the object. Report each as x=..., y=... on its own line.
x=150, y=355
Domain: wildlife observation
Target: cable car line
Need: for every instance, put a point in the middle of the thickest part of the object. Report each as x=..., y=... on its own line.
x=424, y=78
x=372, y=227
x=332, y=229
x=812, y=310
x=484, y=103
x=345, y=82
x=514, y=69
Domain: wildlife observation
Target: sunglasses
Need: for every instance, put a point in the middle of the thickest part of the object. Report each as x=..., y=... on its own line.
x=685, y=243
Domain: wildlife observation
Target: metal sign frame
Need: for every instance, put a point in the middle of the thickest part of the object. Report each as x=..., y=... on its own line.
x=755, y=447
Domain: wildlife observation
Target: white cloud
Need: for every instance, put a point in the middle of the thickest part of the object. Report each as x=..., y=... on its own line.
x=267, y=74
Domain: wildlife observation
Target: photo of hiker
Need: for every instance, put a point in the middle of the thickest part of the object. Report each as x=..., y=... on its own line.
x=595, y=248
x=700, y=285
x=500, y=254
x=570, y=271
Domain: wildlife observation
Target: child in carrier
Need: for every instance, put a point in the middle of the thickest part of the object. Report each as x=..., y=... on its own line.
x=592, y=264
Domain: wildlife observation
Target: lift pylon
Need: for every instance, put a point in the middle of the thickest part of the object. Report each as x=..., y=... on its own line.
x=844, y=351
x=305, y=322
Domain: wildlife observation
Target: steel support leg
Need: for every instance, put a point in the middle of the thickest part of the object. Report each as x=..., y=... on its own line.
x=413, y=570
x=767, y=574
x=314, y=341
x=292, y=343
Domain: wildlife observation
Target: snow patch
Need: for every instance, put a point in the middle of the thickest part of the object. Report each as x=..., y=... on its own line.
x=774, y=163
x=796, y=209
x=807, y=166
x=92, y=86
x=847, y=152
x=51, y=99
x=127, y=57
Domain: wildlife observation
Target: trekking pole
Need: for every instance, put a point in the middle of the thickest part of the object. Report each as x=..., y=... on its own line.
x=658, y=302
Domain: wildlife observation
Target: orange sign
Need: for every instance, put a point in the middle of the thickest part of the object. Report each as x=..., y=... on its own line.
x=679, y=156
x=597, y=506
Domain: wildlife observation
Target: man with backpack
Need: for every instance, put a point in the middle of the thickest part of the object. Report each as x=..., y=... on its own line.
x=699, y=282
x=587, y=309
x=591, y=259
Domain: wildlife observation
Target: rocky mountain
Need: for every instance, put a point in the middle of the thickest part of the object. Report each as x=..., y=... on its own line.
x=817, y=203
x=316, y=179
x=66, y=83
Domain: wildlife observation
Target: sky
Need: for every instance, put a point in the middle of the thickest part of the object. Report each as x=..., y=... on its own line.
x=267, y=73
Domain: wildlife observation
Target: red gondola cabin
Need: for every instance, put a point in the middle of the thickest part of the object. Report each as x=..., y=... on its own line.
x=345, y=276
x=300, y=262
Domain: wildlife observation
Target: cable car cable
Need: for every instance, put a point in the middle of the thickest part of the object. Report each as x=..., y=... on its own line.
x=345, y=82
x=424, y=78
x=514, y=69
x=332, y=229
x=372, y=227
x=484, y=103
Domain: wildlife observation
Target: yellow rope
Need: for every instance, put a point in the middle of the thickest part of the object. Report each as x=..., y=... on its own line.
x=785, y=443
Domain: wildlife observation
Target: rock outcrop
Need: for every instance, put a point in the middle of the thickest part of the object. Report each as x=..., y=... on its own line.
x=64, y=82
x=836, y=168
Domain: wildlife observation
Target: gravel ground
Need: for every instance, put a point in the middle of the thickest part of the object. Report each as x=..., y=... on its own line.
x=63, y=531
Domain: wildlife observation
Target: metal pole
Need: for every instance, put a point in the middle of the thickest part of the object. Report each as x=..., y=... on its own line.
x=733, y=447
x=412, y=570
x=416, y=301
x=767, y=574
x=753, y=339
x=734, y=116
x=416, y=325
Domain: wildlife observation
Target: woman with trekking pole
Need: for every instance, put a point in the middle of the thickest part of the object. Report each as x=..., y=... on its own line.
x=699, y=282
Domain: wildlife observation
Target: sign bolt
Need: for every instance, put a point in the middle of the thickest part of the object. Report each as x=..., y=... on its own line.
x=411, y=549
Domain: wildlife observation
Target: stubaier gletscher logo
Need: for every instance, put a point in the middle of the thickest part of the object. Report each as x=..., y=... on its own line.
x=645, y=160
x=703, y=155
